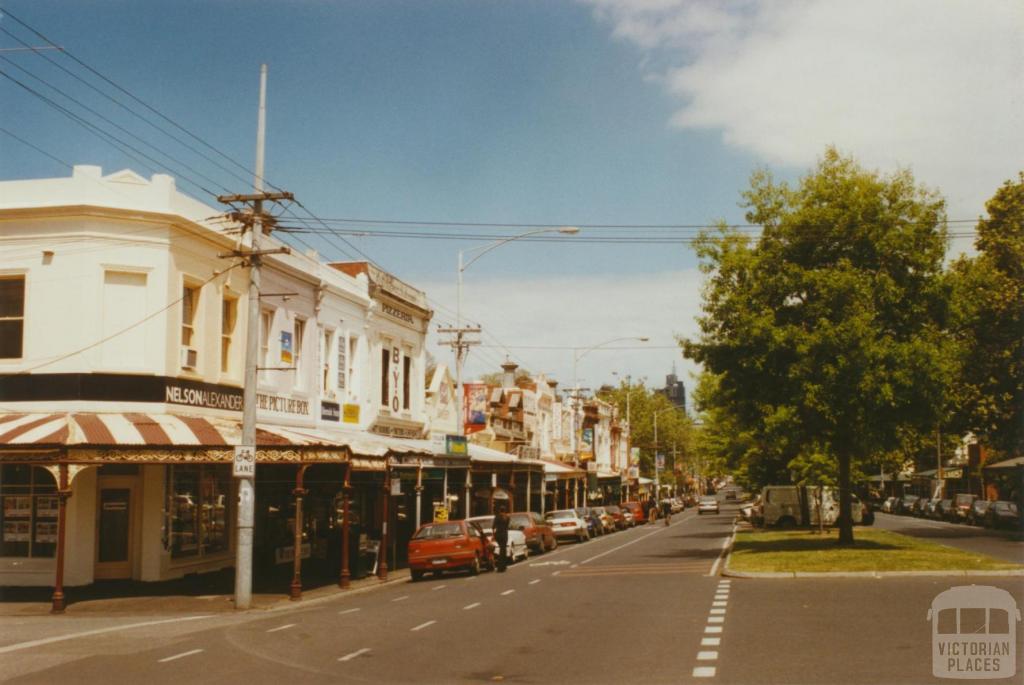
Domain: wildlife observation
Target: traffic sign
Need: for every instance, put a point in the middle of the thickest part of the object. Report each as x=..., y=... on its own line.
x=244, y=465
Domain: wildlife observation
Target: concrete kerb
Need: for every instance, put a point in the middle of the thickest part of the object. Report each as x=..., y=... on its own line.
x=334, y=594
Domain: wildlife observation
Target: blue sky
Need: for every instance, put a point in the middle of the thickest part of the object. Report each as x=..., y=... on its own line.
x=547, y=112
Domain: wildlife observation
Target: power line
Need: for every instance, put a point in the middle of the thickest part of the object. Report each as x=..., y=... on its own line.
x=36, y=148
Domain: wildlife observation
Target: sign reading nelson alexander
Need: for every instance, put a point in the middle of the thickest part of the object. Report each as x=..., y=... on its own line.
x=203, y=395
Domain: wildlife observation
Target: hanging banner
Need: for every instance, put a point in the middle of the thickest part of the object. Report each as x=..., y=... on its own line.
x=474, y=407
x=286, y=347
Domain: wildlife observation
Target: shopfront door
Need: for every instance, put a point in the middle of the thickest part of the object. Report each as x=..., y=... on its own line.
x=114, y=529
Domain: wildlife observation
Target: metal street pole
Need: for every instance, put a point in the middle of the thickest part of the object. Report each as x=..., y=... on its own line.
x=246, y=484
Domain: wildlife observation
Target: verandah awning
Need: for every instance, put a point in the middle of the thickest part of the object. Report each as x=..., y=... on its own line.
x=156, y=431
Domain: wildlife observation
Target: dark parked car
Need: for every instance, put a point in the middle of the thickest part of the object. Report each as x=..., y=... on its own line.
x=962, y=507
x=976, y=514
x=1003, y=514
x=905, y=505
x=539, y=535
x=944, y=509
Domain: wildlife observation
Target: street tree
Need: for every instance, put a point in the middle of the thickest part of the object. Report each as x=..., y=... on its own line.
x=988, y=323
x=827, y=329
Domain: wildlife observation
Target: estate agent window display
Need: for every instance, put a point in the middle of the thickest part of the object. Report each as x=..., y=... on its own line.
x=28, y=512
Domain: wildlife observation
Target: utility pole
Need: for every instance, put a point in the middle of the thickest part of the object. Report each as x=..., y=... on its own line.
x=253, y=223
x=460, y=344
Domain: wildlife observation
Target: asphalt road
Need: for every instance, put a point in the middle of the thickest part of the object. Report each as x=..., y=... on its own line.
x=637, y=606
x=1001, y=544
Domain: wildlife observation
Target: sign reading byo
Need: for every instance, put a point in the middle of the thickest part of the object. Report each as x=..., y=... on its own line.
x=244, y=465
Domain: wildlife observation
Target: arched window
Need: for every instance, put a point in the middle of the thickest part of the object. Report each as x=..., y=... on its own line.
x=28, y=516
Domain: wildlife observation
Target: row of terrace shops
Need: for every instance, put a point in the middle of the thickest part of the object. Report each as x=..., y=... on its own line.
x=151, y=497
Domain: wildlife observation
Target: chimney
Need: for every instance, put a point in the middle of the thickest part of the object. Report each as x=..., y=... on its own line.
x=508, y=379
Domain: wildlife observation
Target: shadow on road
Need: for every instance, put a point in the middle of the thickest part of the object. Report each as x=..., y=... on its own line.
x=686, y=554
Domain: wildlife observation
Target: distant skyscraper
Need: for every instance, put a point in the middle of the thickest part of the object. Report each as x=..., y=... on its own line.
x=675, y=390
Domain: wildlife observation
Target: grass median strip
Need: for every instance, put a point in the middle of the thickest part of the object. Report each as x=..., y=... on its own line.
x=873, y=550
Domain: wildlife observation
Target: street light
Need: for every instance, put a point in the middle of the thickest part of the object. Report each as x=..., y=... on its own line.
x=484, y=249
x=577, y=355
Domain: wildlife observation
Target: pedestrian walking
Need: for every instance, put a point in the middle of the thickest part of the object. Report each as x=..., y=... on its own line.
x=666, y=510
x=500, y=528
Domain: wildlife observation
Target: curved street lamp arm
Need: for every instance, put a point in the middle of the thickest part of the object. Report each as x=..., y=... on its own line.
x=498, y=243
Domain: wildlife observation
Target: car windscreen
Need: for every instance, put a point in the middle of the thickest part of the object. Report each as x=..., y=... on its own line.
x=520, y=521
x=438, y=531
x=561, y=514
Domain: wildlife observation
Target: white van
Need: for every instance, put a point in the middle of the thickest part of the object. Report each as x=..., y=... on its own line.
x=799, y=505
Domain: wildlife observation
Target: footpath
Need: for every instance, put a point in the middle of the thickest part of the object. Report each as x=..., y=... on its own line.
x=211, y=593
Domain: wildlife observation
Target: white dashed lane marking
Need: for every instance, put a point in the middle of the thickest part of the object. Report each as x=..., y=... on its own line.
x=179, y=656
x=422, y=626
x=286, y=626
x=348, y=611
x=704, y=672
x=507, y=592
x=474, y=605
x=353, y=655
x=712, y=630
x=710, y=641
x=439, y=587
x=399, y=599
x=534, y=582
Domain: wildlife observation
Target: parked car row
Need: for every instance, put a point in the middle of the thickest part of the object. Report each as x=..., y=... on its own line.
x=469, y=545
x=961, y=508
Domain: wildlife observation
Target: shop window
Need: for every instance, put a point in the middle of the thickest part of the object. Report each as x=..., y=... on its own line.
x=228, y=318
x=189, y=305
x=406, y=380
x=299, y=334
x=28, y=514
x=385, y=374
x=197, y=510
x=353, y=350
x=12, y=316
x=266, y=323
x=342, y=361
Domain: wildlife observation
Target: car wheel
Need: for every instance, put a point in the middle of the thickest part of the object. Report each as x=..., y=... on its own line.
x=554, y=543
x=416, y=575
x=474, y=568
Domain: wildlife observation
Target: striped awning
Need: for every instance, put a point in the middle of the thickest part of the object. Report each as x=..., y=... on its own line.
x=129, y=429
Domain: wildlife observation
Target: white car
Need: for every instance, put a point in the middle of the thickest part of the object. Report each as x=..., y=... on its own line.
x=517, y=547
x=566, y=523
x=707, y=504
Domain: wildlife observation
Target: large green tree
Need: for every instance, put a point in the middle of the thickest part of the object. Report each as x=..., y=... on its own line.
x=827, y=330
x=988, y=321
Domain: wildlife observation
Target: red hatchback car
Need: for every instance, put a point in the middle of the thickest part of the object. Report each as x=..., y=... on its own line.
x=637, y=510
x=448, y=546
x=539, y=536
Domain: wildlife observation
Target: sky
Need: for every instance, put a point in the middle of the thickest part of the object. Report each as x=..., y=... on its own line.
x=648, y=115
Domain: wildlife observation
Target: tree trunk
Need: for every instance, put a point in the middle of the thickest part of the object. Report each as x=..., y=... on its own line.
x=845, y=517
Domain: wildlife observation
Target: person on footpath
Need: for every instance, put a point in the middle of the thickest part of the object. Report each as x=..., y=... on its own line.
x=666, y=511
x=500, y=528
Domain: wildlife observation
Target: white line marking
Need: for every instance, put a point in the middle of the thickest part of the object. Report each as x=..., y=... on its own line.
x=716, y=619
x=399, y=599
x=99, y=631
x=422, y=626
x=556, y=573
x=707, y=656
x=613, y=549
x=717, y=612
x=725, y=547
x=724, y=582
x=439, y=587
x=719, y=604
x=353, y=655
x=286, y=626
x=704, y=672
x=712, y=630
x=722, y=596
x=507, y=592
x=574, y=566
x=534, y=582
x=474, y=605
x=710, y=641
x=348, y=611
x=178, y=656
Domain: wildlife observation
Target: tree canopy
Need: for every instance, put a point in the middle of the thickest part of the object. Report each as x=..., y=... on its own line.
x=825, y=334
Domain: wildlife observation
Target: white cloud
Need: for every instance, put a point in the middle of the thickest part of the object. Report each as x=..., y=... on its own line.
x=935, y=85
x=546, y=312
